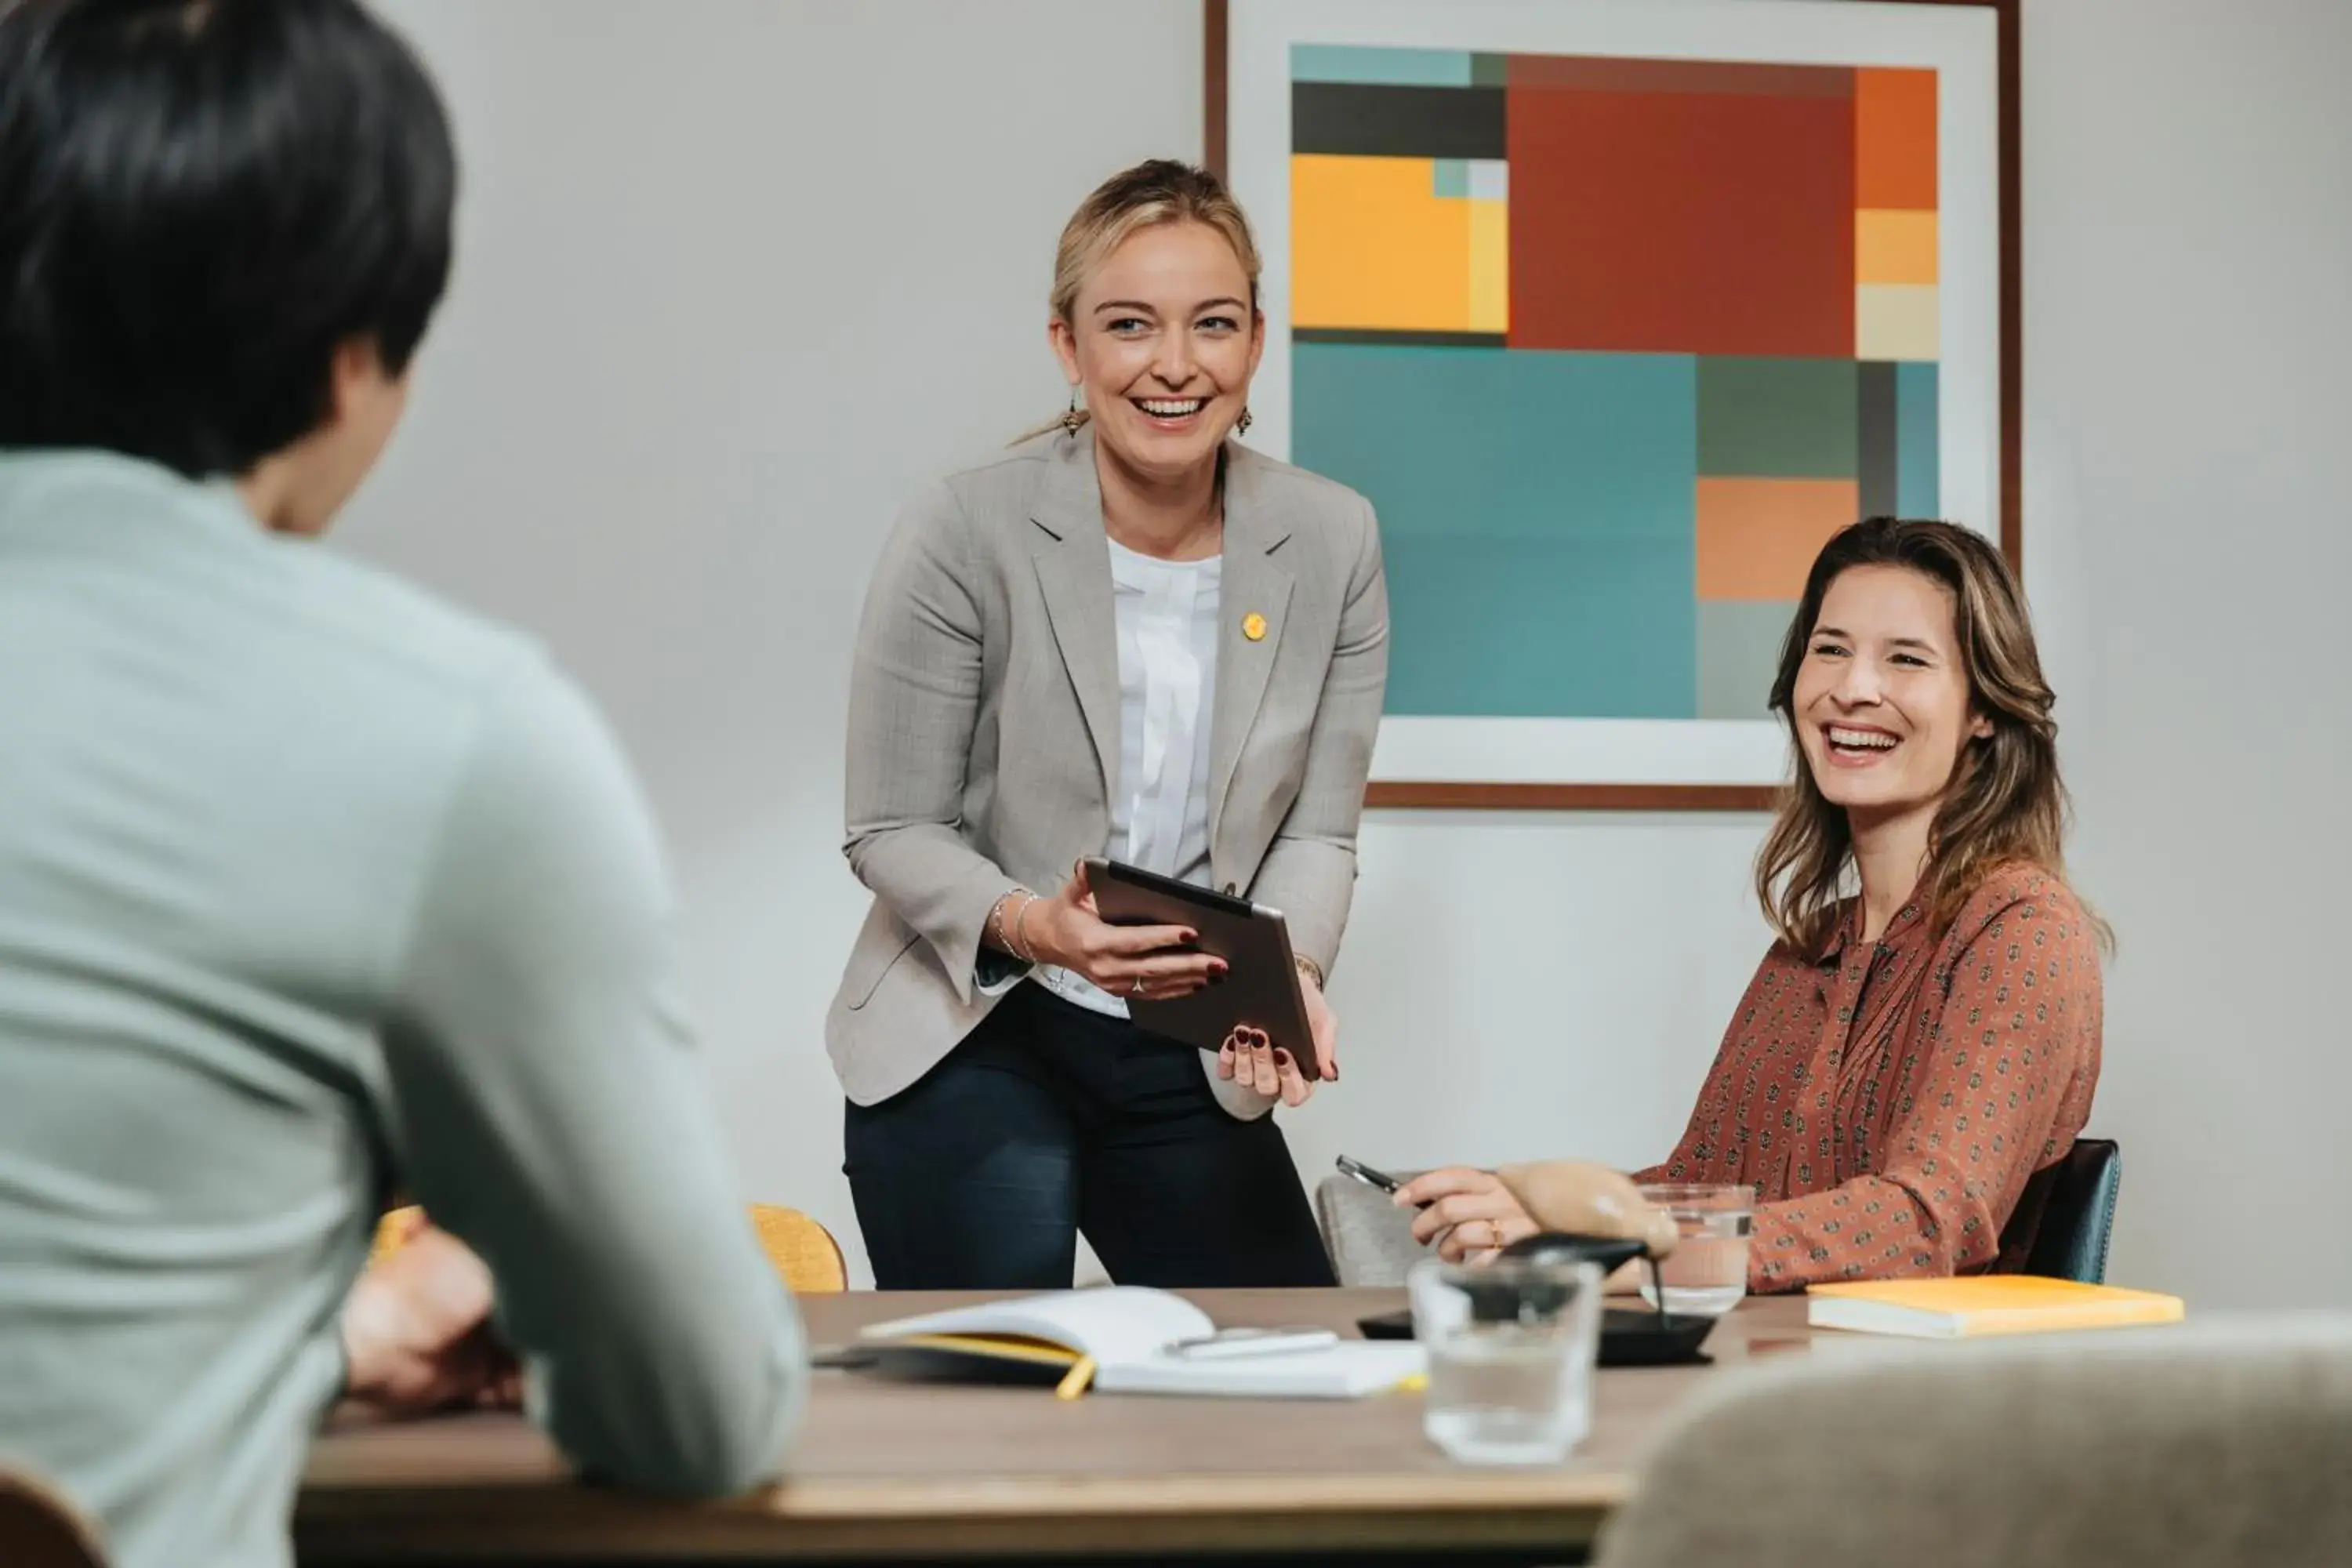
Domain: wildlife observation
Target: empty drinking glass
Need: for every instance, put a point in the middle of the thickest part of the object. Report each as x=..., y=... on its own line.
x=1708, y=1273
x=1511, y=1347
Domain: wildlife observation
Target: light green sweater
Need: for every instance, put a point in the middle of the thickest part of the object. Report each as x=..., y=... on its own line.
x=310, y=884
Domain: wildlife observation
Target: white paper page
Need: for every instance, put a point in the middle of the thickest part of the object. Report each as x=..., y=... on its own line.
x=1112, y=1323
x=1349, y=1370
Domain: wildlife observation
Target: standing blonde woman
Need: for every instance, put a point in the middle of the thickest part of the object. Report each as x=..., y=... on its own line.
x=1131, y=636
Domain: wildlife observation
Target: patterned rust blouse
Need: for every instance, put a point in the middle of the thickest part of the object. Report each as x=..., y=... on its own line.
x=1888, y=1101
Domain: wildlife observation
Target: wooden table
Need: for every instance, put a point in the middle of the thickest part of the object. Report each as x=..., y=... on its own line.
x=887, y=1470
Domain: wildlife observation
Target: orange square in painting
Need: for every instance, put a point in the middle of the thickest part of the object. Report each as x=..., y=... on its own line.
x=1895, y=139
x=1894, y=246
x=1758, y=538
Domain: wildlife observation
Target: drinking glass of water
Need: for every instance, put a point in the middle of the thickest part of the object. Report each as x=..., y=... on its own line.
x=1511, y=1346
x=1708, y=1273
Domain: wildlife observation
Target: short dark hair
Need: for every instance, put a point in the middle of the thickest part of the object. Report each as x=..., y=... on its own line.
x=200, y=201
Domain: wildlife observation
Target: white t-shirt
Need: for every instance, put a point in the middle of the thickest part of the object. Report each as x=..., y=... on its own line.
x=1167, y=618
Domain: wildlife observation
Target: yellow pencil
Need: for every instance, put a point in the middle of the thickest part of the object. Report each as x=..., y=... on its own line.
x=1077, y=1380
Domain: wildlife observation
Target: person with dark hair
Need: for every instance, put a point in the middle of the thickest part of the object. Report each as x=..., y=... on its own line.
x=210, y=276
x=1925, y=1034
x=311, y=886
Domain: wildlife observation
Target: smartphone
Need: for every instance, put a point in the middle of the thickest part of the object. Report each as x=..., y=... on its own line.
x=1227, y=1343
x=1369, y=1176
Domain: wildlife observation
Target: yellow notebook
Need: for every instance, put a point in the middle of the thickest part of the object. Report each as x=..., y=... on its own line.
x=1983, y=1304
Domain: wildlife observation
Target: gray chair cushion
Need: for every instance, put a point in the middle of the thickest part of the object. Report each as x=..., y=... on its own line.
x=1368, y=1238
x=2217, y=1444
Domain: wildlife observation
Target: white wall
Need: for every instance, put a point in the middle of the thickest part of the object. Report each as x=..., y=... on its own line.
x=734, y=275
x=2188, y=317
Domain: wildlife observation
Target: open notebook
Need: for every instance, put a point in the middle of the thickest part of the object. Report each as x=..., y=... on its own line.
x=1123, y=1332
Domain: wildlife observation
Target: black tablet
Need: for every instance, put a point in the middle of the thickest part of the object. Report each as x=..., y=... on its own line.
x=1261, y=985
x=1630, y=1336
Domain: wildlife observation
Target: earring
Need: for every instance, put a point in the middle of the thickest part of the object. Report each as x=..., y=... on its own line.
x=1242, y=425
x=1072, y=421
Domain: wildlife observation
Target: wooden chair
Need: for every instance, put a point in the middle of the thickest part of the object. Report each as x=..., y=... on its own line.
x=802, y=1249
x=393, y=1229
x=38, y=1529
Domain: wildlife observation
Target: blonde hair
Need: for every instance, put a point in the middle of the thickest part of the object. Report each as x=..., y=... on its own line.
x=2006, y=804
x=1157, y=191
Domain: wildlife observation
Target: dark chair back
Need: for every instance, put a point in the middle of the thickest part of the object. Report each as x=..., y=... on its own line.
x=2065, y=1214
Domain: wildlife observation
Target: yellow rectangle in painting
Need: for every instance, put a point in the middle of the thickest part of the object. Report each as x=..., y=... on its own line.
x=1894, y=246
x=1373, y=246
x=1490, y=266
x=1897, y=322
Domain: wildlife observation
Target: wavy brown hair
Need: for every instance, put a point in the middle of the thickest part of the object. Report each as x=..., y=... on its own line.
x=2005, y=803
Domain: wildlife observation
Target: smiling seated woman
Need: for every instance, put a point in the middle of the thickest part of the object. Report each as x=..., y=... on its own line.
x=1924, y=1033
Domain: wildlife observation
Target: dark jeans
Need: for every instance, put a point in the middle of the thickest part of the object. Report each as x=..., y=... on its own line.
x=1048, y=1120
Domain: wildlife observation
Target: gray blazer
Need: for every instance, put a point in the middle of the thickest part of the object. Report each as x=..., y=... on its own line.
x=984, y=728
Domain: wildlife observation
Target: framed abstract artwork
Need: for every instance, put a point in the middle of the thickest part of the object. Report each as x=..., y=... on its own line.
x=1616, y=310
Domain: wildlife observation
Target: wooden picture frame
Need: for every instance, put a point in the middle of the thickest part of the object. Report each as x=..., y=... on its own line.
x=1749, y=793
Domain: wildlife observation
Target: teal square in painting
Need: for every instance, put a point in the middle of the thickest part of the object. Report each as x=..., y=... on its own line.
x=1919, y=490
x=1537, y=512
x=1376, y=67
x=1450, y=177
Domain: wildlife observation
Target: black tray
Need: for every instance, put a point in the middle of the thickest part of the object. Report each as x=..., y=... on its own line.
x=1630, y=1336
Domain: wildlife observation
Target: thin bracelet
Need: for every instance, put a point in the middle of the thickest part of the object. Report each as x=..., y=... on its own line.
x=1023, y=950
x=996, y=917
x=996, y=921
x=994, y=932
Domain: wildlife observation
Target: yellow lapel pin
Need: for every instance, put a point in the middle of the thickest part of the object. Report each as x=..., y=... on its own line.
x=1253, y=627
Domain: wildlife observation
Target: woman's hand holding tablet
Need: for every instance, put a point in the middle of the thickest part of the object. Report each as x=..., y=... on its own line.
x=1268, y=1024
x=1250, y=1055
x=1133, y=961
